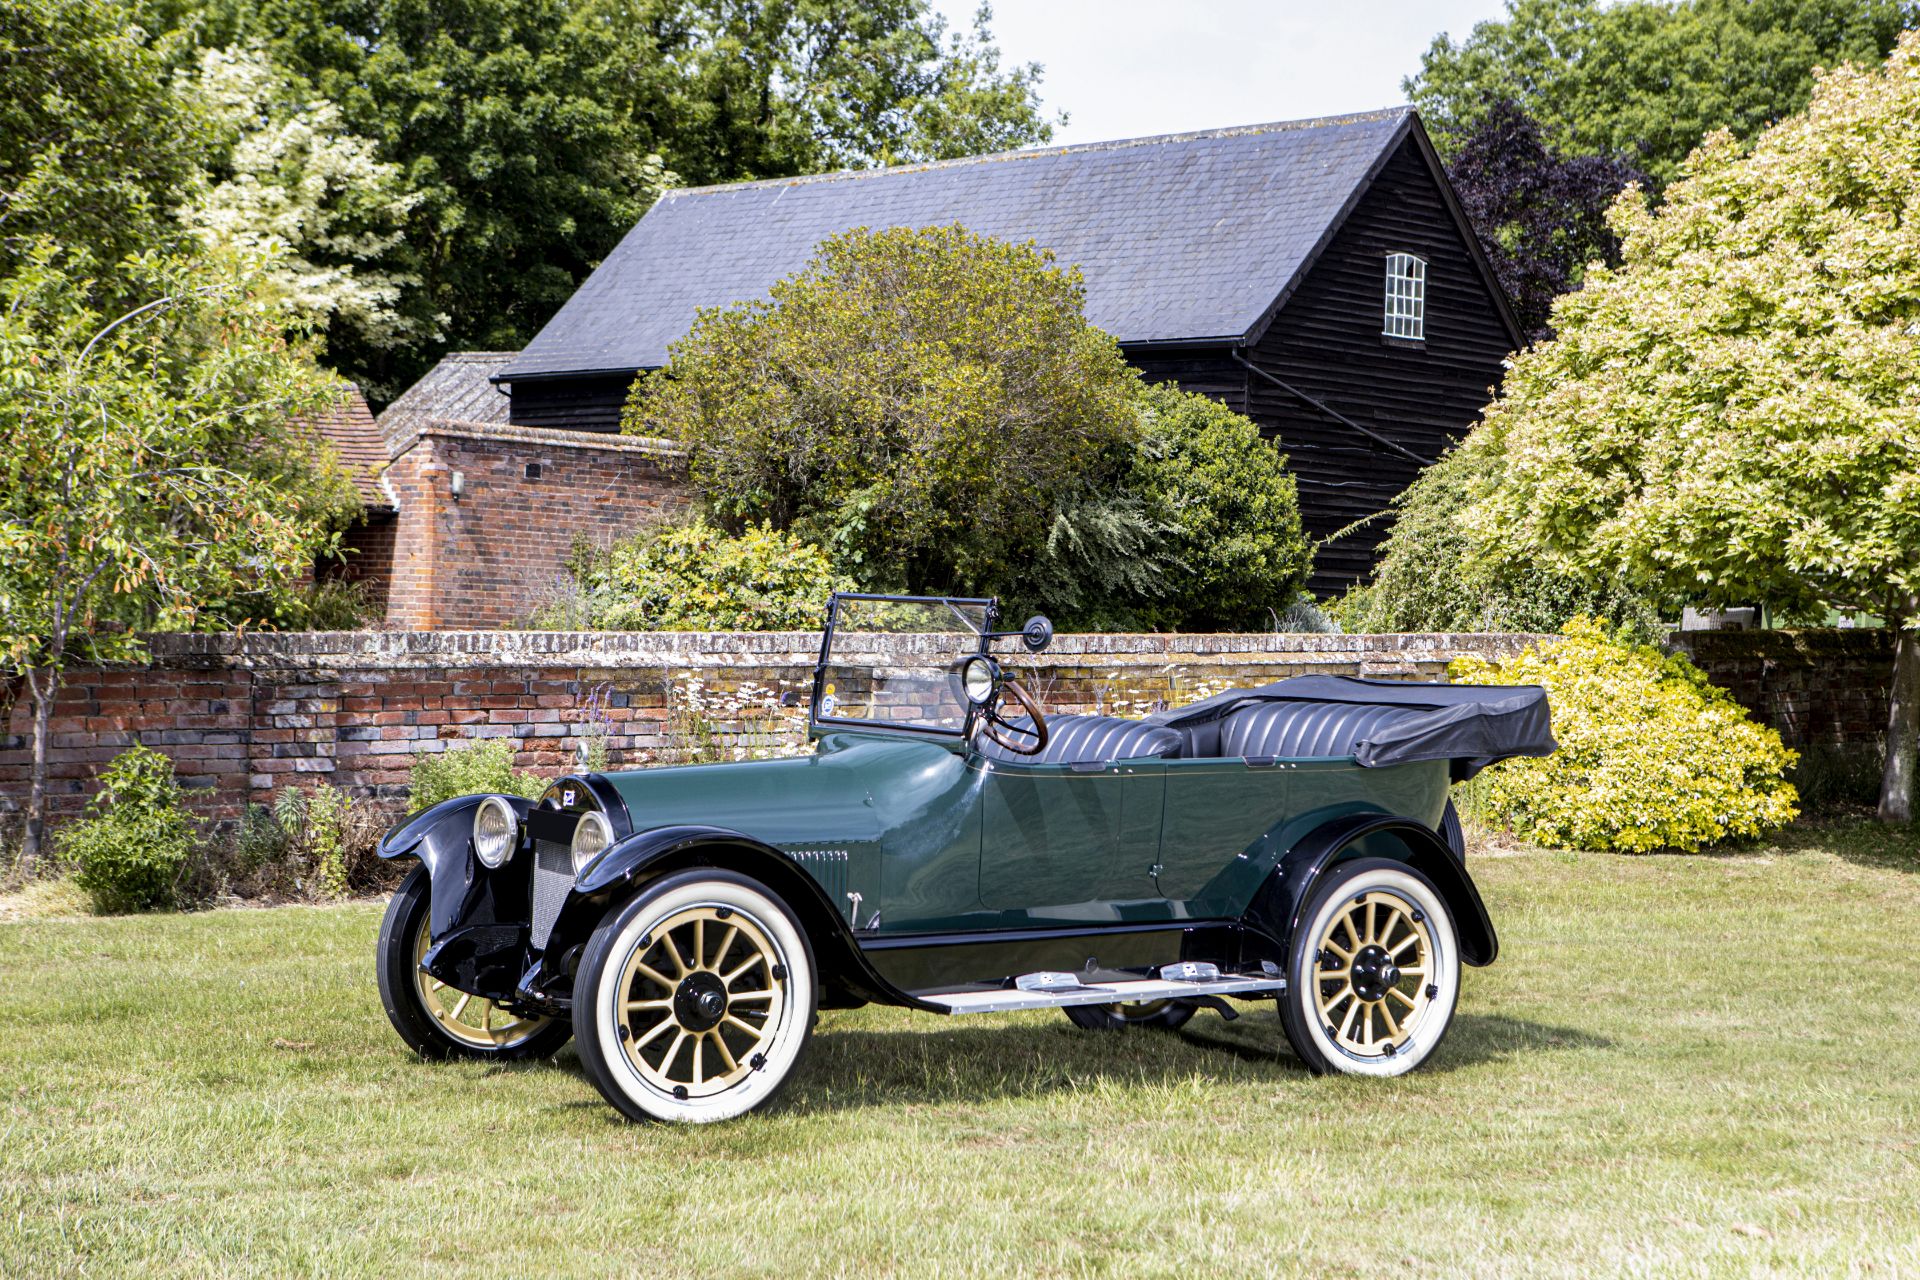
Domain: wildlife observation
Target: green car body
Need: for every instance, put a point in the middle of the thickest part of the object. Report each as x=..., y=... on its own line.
x=925, y=867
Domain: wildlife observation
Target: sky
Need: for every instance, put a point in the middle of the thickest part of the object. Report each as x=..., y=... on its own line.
x=1131, y=68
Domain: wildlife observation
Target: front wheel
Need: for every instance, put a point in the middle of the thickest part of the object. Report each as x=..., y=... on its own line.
x=1374, y=971
x=436, y=1020
x=695, y=1001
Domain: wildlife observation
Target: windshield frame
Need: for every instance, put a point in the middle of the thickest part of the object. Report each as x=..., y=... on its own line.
x=990, y=613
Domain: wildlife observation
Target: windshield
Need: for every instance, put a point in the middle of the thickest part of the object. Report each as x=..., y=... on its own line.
x=894, y=661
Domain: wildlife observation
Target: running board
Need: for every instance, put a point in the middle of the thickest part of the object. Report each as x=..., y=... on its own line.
x=1134, y=991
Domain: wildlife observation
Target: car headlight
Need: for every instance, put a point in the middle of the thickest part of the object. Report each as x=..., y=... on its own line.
x=979, y=679
x=494, y=828
x=590, y=838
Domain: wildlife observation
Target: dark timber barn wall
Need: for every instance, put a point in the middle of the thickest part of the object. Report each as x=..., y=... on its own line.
x=1326, y=341
x=585, y=403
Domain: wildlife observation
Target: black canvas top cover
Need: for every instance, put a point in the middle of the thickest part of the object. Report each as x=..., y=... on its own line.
x=1472, y=726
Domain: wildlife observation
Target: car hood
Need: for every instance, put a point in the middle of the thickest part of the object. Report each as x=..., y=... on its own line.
x=826, y=796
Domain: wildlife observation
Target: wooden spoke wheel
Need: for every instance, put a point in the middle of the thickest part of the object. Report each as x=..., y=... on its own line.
x=467, y=1019
x=699, y=1000
x=1163, y=1015
x=1371, y=983
x=1375, y=971
x=695, y=1001
x=435, y=1019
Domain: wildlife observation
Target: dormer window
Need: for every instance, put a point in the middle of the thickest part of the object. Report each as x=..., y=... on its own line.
x=1406, y=314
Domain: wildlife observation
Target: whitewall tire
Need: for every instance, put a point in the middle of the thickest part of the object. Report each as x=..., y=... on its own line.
x=695, y=1001
x=1374, y=972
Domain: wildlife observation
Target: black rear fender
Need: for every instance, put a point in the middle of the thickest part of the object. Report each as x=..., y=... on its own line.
x=1278, y=909
x=635, y=862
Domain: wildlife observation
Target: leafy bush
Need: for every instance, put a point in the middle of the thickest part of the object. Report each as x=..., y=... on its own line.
x=1434, y=576
x=1651, y=755
x=1201, y=532
x=1233, y=506
x=696, y=577
x=313, y=844
x=131, y=849
x=481, y=767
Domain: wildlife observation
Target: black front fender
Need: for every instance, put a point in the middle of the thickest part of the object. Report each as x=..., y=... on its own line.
x=1279, y=908
x=646, y=855
x=442, y=838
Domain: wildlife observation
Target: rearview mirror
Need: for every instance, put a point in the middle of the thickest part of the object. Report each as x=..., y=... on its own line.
x=1037, y=634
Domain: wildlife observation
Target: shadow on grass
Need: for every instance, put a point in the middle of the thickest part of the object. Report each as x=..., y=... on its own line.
x=1858, y=838
x=849, y=1069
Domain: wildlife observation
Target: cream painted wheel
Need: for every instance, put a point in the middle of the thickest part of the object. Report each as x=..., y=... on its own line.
x=1375, y=974
x=435, y=1020
x=695, y=1001
x=467, y=1019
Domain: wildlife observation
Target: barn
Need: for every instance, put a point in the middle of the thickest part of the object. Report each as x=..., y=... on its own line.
x=1316, y=275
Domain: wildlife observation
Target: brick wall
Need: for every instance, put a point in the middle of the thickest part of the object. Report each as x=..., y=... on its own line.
x=242, y=716
x=485, y=559
x=368, y=558
x=1820, y=689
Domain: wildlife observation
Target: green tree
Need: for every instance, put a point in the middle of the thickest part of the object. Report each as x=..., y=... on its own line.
x=95, y=147
x=1730, y=416
x=921, y=403
x=532, y=134
x=151, y=463
x=1433, y=574
x=1647, y=79
x=286, y=180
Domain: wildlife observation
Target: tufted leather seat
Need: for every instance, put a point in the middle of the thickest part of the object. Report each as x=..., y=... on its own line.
x=1090, y=740
x=1275, y=729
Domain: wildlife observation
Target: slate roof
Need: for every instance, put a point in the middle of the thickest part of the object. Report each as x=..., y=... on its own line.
x=458, y=388
x=349, y=426
x=1183, y=237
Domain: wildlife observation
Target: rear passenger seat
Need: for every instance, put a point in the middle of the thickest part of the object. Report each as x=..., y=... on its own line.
x=1269, y=730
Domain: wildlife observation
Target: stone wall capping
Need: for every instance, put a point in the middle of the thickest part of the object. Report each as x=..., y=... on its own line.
x=619, y=650
x=456, y=428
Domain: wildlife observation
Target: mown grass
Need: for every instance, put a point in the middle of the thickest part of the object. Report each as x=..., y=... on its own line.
x=1680, y=1066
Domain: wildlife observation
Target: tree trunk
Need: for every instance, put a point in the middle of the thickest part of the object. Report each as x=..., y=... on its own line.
x=1903, y=724
x=44, y=690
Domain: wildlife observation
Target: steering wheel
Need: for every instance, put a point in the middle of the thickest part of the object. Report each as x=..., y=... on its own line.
x=1005, y=733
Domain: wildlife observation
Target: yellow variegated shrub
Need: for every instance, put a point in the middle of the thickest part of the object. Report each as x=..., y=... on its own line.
x=1651, y=755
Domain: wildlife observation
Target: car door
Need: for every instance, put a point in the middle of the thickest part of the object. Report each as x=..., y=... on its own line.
x=1215, y=810
x=1062, y=841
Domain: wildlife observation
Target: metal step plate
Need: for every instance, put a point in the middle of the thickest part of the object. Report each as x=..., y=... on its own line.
x=1001, y=1000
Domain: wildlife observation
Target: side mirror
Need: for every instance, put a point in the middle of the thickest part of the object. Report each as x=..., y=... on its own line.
x=1037, y=634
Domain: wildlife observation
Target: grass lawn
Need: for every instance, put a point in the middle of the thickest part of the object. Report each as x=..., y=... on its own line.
x=1680, y=1066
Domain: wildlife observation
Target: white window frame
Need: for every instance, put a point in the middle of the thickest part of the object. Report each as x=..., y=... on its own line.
x=1405, y=316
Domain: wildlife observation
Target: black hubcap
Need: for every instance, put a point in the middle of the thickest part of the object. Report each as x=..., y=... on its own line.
x=700, y=1001
x=1373, y=972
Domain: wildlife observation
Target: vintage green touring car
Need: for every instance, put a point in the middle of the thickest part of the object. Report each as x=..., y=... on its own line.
x=950, y=847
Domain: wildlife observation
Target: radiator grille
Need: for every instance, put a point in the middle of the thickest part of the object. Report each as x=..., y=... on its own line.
x=552, y=877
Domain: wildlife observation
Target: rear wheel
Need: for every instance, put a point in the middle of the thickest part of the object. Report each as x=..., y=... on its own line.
x=695, y=1001
x=1374, y=972
x=1162, y=1015
x=439, y=1021
x=1452, y=832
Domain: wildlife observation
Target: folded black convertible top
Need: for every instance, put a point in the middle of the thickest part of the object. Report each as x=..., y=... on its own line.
x=1472, y=726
